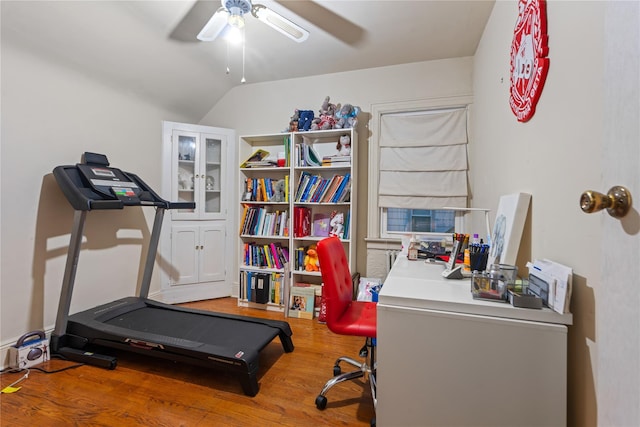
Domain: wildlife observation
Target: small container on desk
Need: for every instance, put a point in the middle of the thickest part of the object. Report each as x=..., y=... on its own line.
x=481, y=287
x=494, y=284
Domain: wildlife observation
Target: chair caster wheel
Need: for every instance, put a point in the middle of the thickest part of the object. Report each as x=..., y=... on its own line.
x=336, y=371
x=321, y=402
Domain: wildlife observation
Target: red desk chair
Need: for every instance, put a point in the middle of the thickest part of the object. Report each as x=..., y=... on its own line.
x=345, y=316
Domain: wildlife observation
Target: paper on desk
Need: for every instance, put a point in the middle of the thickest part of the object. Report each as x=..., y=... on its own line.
x=563, y=275
x=560, y=297
x=537, y=286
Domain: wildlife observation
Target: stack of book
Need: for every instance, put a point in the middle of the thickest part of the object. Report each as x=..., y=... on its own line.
x=262, y=287
x=336, y=161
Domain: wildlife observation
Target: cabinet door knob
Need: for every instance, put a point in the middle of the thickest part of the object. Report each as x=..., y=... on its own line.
x=617, y=201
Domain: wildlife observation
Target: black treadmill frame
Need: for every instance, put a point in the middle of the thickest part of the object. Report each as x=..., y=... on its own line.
x=75, y=336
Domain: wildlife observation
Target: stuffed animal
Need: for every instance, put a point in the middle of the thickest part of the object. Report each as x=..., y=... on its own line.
x=293, y=123
x=327, y=119
x=337, y=224
x=347, y=117
x=304, y=122
x=278, y=192
x=344, y=145
x=311, y=262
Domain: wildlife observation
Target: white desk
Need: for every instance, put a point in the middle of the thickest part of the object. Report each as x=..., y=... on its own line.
x=445, y=359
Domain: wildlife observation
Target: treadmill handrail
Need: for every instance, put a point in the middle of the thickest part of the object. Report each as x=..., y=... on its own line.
x=182, y=205
x=105, y=204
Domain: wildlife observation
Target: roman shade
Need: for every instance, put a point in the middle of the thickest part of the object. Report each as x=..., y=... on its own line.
x=423, y=159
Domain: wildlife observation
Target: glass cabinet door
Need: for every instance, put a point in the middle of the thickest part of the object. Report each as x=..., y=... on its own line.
x=185, y=153
x=211, y=175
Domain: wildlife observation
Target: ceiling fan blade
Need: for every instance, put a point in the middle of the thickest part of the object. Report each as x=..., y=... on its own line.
x=192, y=22
x=327, y=20
x=279, y=23
x=214, y=26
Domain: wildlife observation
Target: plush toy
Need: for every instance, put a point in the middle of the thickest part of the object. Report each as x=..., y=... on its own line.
x=347, y=117
x=304, y=122
x=311, y=262
x=327, y=119
x=278, y=192
x=293, y=123
x=337, y=224
x=344, y=145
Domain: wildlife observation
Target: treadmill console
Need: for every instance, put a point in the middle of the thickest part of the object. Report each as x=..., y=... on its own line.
x=93, y=184
x=111, y=182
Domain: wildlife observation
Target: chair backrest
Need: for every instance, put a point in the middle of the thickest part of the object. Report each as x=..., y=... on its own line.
x=338, y=288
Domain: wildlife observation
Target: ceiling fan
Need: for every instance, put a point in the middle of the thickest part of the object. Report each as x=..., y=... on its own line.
x=231, y=15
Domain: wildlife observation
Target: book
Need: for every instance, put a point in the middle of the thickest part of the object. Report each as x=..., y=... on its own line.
x=341, y=188
x=336, y=161
x=257, y=159
x=262, y=288
x=333, y=187
x=321, y=225
x=303, y=180
x=301, y=221
x=311, y=156
x=302, y=302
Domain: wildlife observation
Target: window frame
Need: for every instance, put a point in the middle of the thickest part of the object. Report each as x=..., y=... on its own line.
x=375, y=212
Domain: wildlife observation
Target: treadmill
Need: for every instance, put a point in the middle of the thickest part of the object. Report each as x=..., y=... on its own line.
x=137, y=324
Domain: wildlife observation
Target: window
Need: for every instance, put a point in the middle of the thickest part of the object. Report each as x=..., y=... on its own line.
x=419, y=220
x=419, y=164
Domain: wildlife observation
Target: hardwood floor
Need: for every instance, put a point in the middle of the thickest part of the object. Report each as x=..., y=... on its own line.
x=145, y=391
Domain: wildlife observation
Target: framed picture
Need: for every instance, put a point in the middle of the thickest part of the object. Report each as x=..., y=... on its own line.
x=508, y=227
x=302, y=302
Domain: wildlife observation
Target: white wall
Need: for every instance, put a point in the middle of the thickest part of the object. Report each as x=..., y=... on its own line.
x=50, y=116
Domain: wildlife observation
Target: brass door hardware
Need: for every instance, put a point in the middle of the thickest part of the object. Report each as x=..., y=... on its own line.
x=617, y=201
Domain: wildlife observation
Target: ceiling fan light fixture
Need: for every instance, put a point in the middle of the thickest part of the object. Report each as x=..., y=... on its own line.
x=279, y=23
x=234, y=35
x=236, y=21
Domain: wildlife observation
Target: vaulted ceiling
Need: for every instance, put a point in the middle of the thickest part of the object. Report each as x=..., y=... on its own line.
x=149, y=47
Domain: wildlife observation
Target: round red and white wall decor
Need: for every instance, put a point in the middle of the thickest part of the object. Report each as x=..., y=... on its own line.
x=529, y=62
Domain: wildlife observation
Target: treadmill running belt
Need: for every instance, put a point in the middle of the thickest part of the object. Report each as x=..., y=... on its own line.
x=205, y=329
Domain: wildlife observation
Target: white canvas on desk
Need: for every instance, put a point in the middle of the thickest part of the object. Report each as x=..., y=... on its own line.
x=507, y=229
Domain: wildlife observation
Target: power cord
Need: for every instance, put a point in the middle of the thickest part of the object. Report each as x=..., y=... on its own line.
x=11, y=387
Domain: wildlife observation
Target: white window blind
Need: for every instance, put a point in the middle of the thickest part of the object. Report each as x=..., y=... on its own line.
x=423, y=159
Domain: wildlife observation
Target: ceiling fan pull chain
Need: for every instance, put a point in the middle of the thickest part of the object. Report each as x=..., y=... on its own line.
x=244, y=41
x=227, y=41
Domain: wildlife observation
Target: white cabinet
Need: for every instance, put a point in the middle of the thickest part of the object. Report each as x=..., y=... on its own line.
x=198, y=254
x=196, y=168
x=447, y=359
x=260, y=239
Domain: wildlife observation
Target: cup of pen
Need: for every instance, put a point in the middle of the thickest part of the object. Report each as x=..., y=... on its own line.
x=478, y=257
